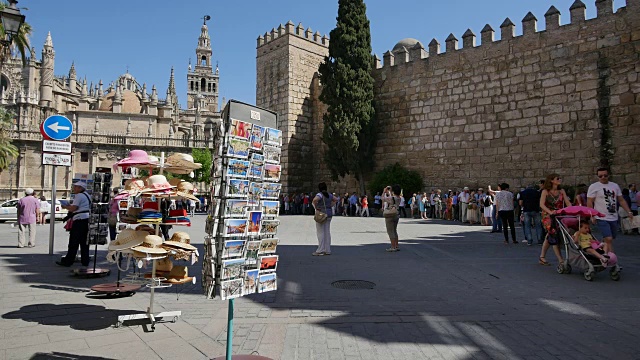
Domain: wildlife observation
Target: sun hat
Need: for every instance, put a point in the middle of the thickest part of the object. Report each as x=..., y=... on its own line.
x=180, y=163
x=175, y=181
x=28, y=191
x=133, y=186
x=466, y=188
x=136, y=157
x=82, y=184
x=151, y=245
x=179, y=275
x=185, y=190
x=164, y=265
x=146, y=229
x=127, y=239
x=179, y=240
x=157, y=183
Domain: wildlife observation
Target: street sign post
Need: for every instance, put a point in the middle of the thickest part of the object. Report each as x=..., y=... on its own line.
x=55, y=130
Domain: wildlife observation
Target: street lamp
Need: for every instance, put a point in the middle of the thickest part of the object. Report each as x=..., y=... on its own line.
x=12, y=20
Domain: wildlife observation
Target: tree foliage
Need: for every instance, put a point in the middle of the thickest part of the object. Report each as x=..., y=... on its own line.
x=347, y=90
x=8, y=151
x=410, y=181
x=202, y=156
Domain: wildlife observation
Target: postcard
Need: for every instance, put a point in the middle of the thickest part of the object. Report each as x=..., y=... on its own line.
x=251, y=252
x=272, y=154
x=233, y=248
x=232, y=268
x=240, y=129
x=257, y=137
x=235, y=227
x=270, y=208
x=273, y=137
x=268, y=263
x=268, y=246
x=231, y=289
x=238, y=148
x=237, y=188
x=255, y=220
x=250, y=282
x=269, y=227
x=271, y=172
x=255, y=171
x=235, y=208
x=257, y=158
x=267, y=283
x=271, y=190
x=240, y=168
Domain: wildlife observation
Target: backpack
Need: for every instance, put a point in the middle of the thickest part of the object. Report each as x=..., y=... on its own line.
x=487, y=201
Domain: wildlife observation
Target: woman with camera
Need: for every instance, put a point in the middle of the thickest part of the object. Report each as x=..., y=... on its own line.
x=391, y=201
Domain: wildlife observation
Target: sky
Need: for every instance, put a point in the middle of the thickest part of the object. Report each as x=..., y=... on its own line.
x=147, y=38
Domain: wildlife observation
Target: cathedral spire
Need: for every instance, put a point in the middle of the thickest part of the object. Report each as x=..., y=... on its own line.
x=172, y=82
x=48, y=42
x=72, y=71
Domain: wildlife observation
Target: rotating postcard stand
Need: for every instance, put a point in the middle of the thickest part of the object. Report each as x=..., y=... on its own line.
x=100, y=195
x=245, y=175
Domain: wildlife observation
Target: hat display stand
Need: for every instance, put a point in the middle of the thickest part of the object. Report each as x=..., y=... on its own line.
x=239, y=213
x=98, y=229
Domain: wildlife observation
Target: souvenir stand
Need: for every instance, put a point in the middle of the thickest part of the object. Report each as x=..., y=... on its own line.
x=139, y=240
x=243, y=220
x=100, y=194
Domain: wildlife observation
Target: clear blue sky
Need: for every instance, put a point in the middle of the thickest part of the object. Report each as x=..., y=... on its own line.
x=148, y=37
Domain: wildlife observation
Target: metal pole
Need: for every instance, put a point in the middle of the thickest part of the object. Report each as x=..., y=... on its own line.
x=230, y=330
x=52, y=217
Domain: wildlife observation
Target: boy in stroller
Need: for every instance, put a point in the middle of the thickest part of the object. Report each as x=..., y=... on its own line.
x=588, y=244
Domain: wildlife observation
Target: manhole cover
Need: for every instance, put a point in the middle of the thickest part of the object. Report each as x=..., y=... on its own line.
x=353, y=284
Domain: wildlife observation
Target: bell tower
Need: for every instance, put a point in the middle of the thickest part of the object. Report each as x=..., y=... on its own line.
x=202, y=80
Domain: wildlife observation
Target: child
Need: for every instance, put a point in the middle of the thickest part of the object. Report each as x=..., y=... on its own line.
x=588, y=243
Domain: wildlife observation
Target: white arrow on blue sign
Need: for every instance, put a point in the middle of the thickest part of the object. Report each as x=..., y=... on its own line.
x=58, y=127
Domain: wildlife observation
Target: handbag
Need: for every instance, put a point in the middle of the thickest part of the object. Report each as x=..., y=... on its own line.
x=69, y=224
x=391, y=212
x=321, y=217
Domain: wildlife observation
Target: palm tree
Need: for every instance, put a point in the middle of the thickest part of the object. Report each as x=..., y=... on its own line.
x=8, y=151
x=19, y=43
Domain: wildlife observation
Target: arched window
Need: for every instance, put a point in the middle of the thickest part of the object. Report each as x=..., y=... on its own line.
x=203, y=61
x=203, y=84
x=4, y=84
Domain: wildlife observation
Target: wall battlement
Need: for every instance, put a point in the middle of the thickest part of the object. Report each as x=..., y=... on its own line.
x=605, y=13
x=290, y=29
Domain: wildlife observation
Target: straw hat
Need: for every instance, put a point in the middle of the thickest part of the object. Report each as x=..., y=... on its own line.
x=164, y=265
x=157, y=183
x=185, y=190
x=180, y=240
x=127, y=239
x=146, y=229
x=175, y=181
x=133, y=186
x=151, y=245
x=179, y=275
x=136, y=157
x=182, y=161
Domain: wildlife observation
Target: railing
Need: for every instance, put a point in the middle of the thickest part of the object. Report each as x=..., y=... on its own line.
x=118, y=139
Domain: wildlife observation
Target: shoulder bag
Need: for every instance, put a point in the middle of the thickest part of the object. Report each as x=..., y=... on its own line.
x=69, y=224
x=321, y=217
x=391, y=211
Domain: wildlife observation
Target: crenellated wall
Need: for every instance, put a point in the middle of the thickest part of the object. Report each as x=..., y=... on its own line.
x=513, y=109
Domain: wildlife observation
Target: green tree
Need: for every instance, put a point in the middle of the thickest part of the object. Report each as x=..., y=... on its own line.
x=8, y=151
x=410, y=181
x=202, y=156
x=347, y=90
x=19, y=43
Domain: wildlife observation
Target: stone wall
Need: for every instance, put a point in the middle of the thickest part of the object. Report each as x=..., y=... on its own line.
x=511, y=110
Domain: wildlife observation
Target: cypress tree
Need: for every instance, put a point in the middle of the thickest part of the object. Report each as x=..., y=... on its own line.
x=347, y=90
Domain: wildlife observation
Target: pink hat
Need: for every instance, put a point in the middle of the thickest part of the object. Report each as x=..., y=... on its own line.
x=157, y=183
x=136, y=157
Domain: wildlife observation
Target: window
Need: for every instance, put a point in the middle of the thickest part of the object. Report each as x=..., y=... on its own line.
x=209, y=87
x=214, y=87
x=203, y=61
x=192, y=86
x=203, y=84
x=84, y=157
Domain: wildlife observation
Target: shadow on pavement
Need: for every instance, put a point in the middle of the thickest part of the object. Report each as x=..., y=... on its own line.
x=64, y=356
x=76, y=316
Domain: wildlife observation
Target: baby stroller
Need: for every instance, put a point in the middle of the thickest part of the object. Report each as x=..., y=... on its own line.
x=568, y=221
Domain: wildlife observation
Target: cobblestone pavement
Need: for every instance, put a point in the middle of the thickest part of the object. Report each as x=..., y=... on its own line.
x=452, y=292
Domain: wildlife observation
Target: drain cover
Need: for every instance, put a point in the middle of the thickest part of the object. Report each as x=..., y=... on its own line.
x=353, y=284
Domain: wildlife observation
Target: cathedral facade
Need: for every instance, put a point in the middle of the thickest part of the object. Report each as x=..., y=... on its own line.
x=110, y=119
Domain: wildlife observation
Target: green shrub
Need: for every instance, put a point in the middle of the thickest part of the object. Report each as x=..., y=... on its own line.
x=410, y=181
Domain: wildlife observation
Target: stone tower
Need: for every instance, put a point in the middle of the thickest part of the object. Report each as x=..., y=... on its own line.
x=46, y=73
x=287, y=62
x=202, y=81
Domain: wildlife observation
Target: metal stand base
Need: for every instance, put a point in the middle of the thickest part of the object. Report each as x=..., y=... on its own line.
x=115, y=290
x=91, y=273
x=150, y=318
x=243, y=357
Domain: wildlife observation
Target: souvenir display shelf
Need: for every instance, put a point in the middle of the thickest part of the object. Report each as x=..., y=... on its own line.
x=244, y=199
x=98, y=229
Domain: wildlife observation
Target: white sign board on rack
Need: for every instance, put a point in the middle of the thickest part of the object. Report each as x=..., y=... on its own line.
x=50, y=146
x=56, y=159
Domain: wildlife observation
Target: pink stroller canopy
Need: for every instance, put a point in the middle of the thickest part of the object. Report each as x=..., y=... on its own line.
x=579, y=211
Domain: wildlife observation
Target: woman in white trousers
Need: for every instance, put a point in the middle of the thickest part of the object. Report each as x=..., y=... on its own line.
x=324, y=202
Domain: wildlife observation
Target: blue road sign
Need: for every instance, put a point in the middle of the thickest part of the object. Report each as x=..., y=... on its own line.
x=57, y=127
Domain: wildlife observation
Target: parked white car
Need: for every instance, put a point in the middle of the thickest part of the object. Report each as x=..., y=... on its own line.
x=9, y=212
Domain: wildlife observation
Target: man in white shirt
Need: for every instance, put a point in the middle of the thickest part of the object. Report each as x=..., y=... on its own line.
x=604, y=196
x=464, y=202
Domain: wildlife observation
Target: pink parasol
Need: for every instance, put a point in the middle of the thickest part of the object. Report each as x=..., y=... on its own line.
x=579, y=211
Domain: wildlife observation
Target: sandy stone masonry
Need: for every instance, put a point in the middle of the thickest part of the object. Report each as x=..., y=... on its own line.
x=509, y=110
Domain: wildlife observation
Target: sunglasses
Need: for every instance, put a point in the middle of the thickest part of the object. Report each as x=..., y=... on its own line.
x=603, y=176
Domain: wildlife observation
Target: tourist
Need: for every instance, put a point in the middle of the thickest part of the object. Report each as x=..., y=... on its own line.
x=345, y=204
x=421, y=206
x=504, y=207
x=552, y=199
x=45, y=208
x=114, y=210
x=581, y=195
x=305, y=204
x=192, y=207
x=377, y=204
x=412, y=205
x=497, y=222
x=487, y=211
x=365, y=206
x=79, y=213
x=463, y=199
x=437, y=201
x=353, y=204
x=28, y=211
x=287, y=208
x=391, y=199
x=472, y=209
x=530, y=203
x=401, y=209
x=449, y=211
x=323, y=201
x=431, y=205
x=456, y=207
x=604, y=196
